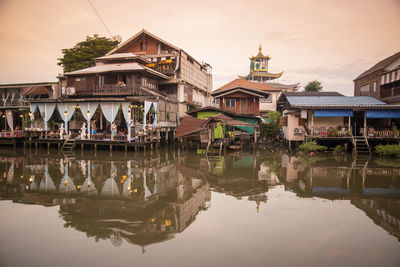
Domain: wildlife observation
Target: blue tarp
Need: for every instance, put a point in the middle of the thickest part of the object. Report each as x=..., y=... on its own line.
x=383, y=114
x=333, y=113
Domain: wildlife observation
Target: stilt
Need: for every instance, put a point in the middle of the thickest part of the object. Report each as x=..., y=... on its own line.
x=95, y=149
x=110, y=150
x=82, y=148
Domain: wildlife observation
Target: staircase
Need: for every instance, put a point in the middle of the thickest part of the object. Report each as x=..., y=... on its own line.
x=360, y=162
x=214, y=148
x=69, y=145
x=361, y=145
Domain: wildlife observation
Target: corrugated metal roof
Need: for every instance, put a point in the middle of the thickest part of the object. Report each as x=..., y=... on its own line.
x=118, y=55
x=117, y=67
x=107, y=68
x=322, y=93
x=336, y=101
x=188, y=126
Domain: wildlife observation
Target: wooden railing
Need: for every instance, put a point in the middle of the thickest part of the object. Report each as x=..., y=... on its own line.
x=395, y=91
x=14, y=103
x=114, y=89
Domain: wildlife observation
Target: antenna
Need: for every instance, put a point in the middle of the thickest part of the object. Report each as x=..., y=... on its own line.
x=98, y=15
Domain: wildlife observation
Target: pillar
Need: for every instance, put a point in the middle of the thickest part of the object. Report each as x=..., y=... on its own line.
x=365, y=123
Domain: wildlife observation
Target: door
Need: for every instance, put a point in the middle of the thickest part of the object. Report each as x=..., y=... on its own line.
x=358, y=122
x=243, y=105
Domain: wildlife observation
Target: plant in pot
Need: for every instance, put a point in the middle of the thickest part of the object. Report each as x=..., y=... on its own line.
x=395, y=130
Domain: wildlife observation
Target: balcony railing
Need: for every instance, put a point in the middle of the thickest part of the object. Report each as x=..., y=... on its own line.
x=110, y=89
x=14, y=103
x=386, y=93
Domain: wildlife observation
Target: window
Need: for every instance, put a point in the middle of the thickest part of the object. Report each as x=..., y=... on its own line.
x=230, y=103
x=266, y=100
x=143, y=46
x=374, y=86
x=364, y=90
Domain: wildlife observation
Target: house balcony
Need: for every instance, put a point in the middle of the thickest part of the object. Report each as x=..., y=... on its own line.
x=14, y=103
x=116, y=89
x=390, y=95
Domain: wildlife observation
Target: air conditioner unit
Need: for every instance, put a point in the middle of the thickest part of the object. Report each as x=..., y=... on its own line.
x=70, y=91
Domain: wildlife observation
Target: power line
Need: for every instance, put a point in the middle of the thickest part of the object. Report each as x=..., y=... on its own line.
x=98, y=15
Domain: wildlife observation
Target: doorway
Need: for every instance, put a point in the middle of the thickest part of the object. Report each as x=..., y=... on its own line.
x=358, y=122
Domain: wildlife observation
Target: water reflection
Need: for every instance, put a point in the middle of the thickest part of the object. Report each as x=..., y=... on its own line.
x=369, y=186
x=145, y=199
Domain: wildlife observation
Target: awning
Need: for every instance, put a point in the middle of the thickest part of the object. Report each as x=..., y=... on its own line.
x=383, y=114
x=333, y=113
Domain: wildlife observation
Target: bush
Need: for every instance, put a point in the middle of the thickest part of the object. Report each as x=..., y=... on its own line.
x=311, y=147
x=338, y=149
x=388, y=150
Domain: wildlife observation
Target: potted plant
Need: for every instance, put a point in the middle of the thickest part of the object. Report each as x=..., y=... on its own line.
x=395, y=130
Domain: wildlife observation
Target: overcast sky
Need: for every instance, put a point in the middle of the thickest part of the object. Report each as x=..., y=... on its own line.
x=331, y=41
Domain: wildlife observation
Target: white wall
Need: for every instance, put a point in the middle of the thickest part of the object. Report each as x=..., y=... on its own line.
x=328, y=122
x=270, y=106
x=292, y=123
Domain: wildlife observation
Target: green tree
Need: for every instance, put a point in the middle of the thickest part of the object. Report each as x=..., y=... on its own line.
x=272, y=125
x=82, y=55
x=313, y=86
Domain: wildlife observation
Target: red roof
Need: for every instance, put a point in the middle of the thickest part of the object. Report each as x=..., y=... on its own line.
x=243, y=83
x=188, y=125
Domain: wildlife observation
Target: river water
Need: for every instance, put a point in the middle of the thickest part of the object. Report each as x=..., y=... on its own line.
x=181, y=208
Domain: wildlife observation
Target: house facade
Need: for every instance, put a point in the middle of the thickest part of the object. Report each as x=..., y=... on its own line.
x=381, y=81
x=326, y=115
x=14, y=102
x=190, y=80
x=245, y=97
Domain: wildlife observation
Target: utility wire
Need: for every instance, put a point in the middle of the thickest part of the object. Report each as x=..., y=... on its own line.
x=98, y=15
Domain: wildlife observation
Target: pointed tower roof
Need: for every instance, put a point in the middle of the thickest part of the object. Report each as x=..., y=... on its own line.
x=260, y=54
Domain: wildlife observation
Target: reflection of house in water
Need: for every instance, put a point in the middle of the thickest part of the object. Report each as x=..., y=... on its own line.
x=112, y=199
x=370, y=187
x=332, y=179
x=234, y=175
x=384, y=212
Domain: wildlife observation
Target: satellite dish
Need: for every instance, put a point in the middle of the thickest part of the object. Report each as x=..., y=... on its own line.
x=117, y=38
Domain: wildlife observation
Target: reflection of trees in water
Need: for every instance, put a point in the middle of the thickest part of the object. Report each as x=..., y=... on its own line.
x=76, y=173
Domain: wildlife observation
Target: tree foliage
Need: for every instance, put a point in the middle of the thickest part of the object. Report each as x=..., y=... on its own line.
x=272, y=125
x=82, y=55
x=313, y=86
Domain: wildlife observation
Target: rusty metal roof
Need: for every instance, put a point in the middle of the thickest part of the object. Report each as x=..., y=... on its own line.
x=188, y=126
